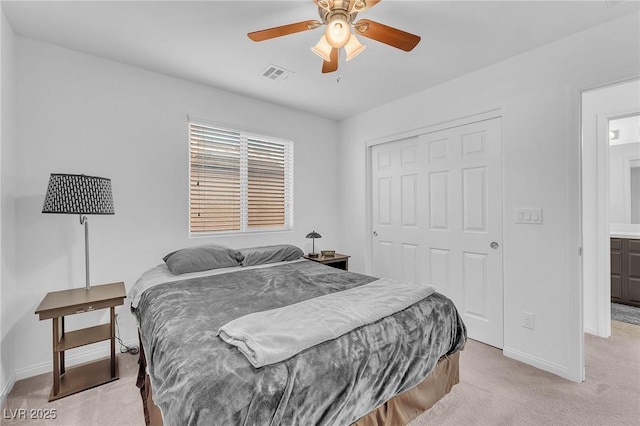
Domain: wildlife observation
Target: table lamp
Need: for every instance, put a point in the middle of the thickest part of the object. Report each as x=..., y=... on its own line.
x=313, y=235
x=82, y=195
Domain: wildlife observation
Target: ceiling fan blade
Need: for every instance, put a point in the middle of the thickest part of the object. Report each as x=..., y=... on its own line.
x=283, y=30
x=332, y=65
x=387, y=35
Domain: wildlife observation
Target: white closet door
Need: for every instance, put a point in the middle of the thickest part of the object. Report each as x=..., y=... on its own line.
x=437, y=219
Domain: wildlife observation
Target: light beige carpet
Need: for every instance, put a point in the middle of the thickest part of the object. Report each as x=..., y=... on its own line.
x=493, y=390
x=114, y=404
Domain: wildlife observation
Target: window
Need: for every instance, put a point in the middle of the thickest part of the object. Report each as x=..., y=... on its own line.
x=239, y=182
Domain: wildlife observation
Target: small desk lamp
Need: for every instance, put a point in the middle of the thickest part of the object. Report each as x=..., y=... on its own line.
x=79, y=194
x=313, y=235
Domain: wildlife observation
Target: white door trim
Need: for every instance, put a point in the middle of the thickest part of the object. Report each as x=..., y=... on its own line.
x=603, y=236
x=436, y=127
x=604, y=291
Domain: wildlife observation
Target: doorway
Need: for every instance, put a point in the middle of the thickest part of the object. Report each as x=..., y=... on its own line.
x=601, y=109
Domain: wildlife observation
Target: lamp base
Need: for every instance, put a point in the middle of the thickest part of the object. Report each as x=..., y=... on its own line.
x=313, y=255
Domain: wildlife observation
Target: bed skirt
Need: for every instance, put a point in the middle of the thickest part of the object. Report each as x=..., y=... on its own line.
x=403, y=408
x=399, y=410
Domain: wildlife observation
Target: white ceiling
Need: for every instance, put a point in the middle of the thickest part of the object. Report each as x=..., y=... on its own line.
x=206, y=42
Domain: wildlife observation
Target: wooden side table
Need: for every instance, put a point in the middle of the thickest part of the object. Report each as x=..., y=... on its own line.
x=58, y=304
x=340, y=261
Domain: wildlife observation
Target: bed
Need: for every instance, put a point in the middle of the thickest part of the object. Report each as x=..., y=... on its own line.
x=381, y=373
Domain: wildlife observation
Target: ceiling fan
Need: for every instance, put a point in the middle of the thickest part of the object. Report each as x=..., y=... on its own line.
x=339, y=16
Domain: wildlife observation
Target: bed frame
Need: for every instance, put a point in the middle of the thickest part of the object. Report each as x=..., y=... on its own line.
x=399, y=410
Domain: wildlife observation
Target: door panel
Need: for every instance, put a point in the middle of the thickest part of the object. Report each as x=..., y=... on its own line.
x=473, y=143
x=475, y=285
x=396, y=197
x=439, y=200
x=409, y=184
x=474, y=198
x=436, y=209
x=384, y=204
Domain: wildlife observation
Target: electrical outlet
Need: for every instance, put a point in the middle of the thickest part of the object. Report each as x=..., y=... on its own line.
x=528, y=320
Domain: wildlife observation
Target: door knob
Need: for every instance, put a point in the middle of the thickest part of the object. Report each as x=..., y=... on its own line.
x=375, y=233
x=494, y=245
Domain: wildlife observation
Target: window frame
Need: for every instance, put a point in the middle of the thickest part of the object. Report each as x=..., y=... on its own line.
x=245, y=136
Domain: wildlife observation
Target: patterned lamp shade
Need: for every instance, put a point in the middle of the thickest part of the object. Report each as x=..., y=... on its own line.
x=78, y=194
x=313, y=234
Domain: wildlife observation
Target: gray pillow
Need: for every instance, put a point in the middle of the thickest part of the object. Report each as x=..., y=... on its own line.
x=269, y=254
x=201, y=258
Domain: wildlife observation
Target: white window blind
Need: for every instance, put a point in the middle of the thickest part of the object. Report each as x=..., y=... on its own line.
x=239, y=182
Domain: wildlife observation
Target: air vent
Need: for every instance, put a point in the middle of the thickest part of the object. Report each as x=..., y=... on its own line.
x=274, y=72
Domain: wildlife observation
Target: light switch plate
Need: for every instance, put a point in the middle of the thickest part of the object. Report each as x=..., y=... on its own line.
x=529, y=216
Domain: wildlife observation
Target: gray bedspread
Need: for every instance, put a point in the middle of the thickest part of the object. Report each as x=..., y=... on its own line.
x=197, y=379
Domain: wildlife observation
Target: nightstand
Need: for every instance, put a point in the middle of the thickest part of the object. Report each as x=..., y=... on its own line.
x=58, y=304
x=340, y=261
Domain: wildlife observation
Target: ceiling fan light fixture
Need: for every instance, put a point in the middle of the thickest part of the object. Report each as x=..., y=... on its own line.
x=323, y=49
x=353, y=48
x=339, y=17
x=338, y=30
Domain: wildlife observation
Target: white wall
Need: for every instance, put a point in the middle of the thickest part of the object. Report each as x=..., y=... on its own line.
x=538, y=93
x=8, y=146
x=81, y=114
x=597, y=106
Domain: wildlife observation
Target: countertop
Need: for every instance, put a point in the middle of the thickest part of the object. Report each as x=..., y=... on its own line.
x=622, y=234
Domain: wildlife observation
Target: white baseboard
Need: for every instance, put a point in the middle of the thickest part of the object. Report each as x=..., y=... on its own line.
x=86, y=355
x=536, y=362
x=593, y=331
x=7, y=388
